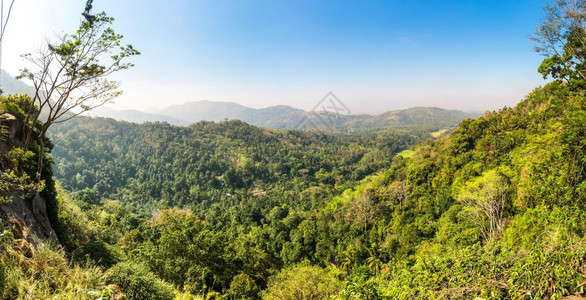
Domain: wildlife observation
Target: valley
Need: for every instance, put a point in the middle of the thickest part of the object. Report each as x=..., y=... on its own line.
x=217, y=200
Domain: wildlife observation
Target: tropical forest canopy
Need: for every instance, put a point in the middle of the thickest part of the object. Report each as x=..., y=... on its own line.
x=496, y=209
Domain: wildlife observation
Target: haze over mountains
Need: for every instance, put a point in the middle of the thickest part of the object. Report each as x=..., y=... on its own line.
x=286, y=117
x=276, y=117
x=10, y=85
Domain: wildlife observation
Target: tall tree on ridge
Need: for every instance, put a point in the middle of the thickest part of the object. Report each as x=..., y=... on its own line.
x=561, y=37
x=71, y=76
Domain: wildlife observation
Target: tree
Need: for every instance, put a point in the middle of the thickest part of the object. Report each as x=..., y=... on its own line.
x=561, y=37
x=374, y=261
x=302, y=282
x=485, y=200
x=363, y=210
x=185, y=251
x=70, y=77
x=243, y=287
x=138, y=282
x=398, y=191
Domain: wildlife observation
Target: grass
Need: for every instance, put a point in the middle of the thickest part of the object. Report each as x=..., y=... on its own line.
x=438, y=133
x=407, y=153
x=45, y=273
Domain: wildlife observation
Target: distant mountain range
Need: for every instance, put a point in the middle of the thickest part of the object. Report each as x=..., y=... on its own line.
x=135, y=116
x=286, y=117
x=277, y=117
x=192, y=112
x=10, y=85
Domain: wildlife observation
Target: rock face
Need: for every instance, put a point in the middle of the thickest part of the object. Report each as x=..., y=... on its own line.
x=27, y=217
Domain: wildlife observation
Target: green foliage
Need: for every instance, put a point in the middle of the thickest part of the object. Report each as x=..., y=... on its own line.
x=456, y=229
x=100, y=253
x=302, y=282
x=490, y=272
x=243, y=287
x=2, y=281
x=246, y=188
x=11, y=182
x=493, y=210
x=138, y=282
x=73, y=228
x=3, y=133
x=187, y=252
x=16, y=105
x=486, y=198
x=543, y=226
x=197, y=165
x=44, y=273
x=22, y=159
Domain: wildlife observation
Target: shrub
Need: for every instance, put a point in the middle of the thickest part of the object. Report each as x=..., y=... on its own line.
x=137, y=282
x=243, y=287
x=101, y=253
x=45, y=274
x=305, y=281
x=15, y=105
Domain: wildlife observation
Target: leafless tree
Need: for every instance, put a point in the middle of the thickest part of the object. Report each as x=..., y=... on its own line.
x=363, y=210
x=398, y=191
x=485, y=200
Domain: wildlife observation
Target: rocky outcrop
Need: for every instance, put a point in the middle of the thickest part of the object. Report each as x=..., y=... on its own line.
x=28, y=219
x=26, y=216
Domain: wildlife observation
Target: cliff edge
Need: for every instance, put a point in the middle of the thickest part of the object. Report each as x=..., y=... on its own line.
x=25, y=215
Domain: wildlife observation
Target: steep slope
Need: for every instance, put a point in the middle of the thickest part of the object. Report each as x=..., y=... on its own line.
x=28, y=213
x=495, y=210
x=32, y=263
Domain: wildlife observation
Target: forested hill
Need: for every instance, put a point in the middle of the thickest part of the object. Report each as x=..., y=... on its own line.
x=495, y=210
x=10, y=85
x=161, y=165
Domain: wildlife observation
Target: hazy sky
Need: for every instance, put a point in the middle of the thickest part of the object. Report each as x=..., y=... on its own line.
x=374, y=55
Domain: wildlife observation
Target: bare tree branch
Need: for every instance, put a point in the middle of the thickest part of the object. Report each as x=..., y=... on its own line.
x=70, y=76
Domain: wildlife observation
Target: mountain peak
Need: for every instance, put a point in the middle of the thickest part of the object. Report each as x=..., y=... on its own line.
x=285, y=116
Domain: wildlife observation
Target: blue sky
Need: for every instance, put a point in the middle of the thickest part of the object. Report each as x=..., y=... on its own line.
x=374, y=55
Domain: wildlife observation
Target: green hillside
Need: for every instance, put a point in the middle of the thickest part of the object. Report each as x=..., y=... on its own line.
x=102, y=158
x=408, y=207
x=494, y=210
